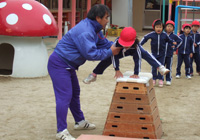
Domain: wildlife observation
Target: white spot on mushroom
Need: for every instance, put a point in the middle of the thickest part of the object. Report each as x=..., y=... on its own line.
x=12, y=19
x=3, y=4
x=47, y=19
x=27, y=6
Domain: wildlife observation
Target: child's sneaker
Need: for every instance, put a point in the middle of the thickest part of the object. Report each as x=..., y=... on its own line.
x=64, y=135
x=154, y=82
x=89, y=79
x=178, y=76
x=163, y=70
x=188, y=77
x=160, y=83
x=168, y=83
x=83, y=125
x=191, y=74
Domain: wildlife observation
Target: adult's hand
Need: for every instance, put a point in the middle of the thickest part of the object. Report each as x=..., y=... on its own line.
x=115, y=50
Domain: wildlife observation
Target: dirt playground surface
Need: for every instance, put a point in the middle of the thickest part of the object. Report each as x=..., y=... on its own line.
x=27, y=106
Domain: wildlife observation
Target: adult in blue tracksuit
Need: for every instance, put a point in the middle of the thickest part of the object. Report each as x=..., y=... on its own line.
x=171, y=49
x=83, y=42
x=185, y=51
x=196, y=52
x=158, y=47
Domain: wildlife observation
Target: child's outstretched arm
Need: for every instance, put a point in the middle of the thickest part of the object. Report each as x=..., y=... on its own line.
x=145, y=38
x=137, y=61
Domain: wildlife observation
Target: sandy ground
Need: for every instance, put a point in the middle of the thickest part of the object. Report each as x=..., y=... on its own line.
x=27, y=106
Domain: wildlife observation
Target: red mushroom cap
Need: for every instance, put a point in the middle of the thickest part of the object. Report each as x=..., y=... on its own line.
x=26, y=18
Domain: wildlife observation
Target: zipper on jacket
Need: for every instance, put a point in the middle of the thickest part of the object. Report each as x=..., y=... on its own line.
x=193, y=45
x=185, y=44
x=158, y=44
x=123, y=52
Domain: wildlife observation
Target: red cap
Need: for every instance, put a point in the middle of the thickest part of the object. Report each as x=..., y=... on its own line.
x=185, y=25
x=127, y=36
x=195, y=22
x=153, y=24
x=170, y=22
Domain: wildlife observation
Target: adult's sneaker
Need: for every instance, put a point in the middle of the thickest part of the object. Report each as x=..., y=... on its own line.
x=64, y=135
x=163, y=70
x=84, y=125
x=89, y=79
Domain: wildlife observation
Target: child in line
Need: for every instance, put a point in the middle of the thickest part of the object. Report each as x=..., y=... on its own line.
x=158, y=47
x=185, y=51
x=196, y=54
x=169, y=28
x=130, y=47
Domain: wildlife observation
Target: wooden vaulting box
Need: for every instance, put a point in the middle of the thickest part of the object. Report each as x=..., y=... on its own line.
x=133, y=112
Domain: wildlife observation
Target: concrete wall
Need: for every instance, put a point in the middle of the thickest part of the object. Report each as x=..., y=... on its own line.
x=138, y=14
x=122, y=12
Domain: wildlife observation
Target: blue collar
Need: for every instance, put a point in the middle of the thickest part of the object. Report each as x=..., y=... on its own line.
x=95, y=24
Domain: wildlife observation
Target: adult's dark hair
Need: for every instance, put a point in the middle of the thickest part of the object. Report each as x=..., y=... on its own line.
x=158, y=22
x=98, y=10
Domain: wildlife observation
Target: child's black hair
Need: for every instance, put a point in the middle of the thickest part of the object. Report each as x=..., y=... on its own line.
x=136, y=43
x=158, y=22
x=181, y=32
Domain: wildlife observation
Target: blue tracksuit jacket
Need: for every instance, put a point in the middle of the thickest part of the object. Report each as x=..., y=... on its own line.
x=158, y=42
x=83, y=43
x=176, y=39
x=196, y=39
x=186, y=46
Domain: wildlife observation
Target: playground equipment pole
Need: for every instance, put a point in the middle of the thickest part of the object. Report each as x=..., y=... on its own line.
x=163, y=11
x=170, y=9
x=60, y=11
x=176, y=14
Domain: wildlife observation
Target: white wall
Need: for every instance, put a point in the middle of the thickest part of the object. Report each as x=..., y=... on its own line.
x=122, y=12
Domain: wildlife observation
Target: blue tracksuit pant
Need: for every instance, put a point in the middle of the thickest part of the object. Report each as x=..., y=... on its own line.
x=107, y=62
x=186, y=59
x=168, y=63
x=156, y=74
x=196, y=58
x=66, y=89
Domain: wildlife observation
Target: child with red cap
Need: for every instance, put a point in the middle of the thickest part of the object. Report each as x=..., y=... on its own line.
x=171, y=49
x=129, y=47
x=185, y=51
x=196, y=38
x=158, y=47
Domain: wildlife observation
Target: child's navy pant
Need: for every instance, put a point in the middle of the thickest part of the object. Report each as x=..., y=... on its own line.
x=196, y=58
x=168, y=63
x=186, y=59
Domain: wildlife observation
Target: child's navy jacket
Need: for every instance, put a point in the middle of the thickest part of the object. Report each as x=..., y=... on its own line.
x=187, y=44
x=158, y=42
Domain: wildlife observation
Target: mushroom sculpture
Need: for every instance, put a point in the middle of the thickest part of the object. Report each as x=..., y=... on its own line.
x=22, y=25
